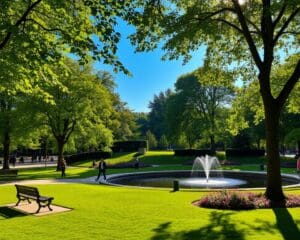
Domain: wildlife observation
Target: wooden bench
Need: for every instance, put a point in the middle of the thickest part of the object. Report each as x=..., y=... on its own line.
x=7, y=174
x=26, y=193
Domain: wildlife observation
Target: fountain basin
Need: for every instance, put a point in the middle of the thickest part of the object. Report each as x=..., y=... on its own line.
x=165, y=179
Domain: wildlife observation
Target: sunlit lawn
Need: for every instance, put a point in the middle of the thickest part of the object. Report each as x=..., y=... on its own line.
x=106, y=212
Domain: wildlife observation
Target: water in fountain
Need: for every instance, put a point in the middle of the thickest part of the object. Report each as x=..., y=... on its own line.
x=203, y=168
x=205, y=164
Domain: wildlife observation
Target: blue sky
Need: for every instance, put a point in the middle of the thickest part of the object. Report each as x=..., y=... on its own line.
x=150, y=74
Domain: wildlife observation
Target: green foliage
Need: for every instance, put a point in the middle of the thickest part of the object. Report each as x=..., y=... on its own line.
x=198, y=109
x=142, y=124
x=247, y=34
x=53, y=28
x=163, y=142
x=81, y=107
x=152, y=142
x=121, y=121
x=293, y=137
x=157, y=116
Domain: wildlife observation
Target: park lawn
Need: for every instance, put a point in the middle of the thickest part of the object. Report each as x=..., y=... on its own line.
x=106, y=212
x=162, y=161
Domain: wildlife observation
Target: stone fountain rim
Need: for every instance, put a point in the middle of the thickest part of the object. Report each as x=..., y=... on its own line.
x=118, y=175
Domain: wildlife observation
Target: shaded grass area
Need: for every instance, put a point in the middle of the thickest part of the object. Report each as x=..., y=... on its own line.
x=107, y=212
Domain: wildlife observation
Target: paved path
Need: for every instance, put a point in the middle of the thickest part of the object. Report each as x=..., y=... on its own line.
x=90, y=180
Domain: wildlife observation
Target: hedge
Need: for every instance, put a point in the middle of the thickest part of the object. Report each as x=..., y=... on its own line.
x=87, y=155
x=192, y=152
x=129, y=146
x=238, y=152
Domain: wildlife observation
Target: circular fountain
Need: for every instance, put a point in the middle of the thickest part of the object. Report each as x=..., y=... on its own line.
x=209, y=166
x=206, y=173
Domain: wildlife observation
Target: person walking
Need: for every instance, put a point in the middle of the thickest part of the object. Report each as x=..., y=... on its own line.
x=63, y=166
x=101, y=169
x=136, y=163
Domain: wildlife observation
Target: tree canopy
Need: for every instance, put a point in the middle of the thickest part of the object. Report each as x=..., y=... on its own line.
x=254, y=34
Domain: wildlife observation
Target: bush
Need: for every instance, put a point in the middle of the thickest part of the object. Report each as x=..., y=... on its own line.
x=243, y=201
x=129, y=146
x=237, y=152
x=87, y=156
x=192, y=152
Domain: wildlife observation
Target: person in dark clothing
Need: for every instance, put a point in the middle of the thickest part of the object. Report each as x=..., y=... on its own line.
x=63, y=168
x=101, y=169
x=136, y=163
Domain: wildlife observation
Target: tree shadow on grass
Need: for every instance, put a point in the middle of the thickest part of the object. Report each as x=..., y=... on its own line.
x=220, y=228
x=7, y=212
x=286, y=224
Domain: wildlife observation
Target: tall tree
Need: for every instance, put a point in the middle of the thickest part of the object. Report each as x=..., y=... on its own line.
x=201, y=103
x=81, y=104
x=252, y=32
x=157, y=114
x=152, y=142
x=142, y=124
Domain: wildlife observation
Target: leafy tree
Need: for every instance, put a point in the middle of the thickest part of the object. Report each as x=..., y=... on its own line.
x=182, y=121
x=81, y=106
x=163, y=142
x=152, y=142
x=293, y=137
x=251, y=32
x=54, y=27
x=122, y=120
x=19, y=124
x=142, y=124
x=19, y=121
x=157, y=114
x=200, y=105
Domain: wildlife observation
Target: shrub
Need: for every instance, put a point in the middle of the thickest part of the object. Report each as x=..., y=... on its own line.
x=243, y=201
x=129, y=146
x=87, y=155
x=237, y=152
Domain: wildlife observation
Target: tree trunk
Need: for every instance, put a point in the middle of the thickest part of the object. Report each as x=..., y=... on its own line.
x=298, y=143
x=274, y=185
x=6, y=146
x=60, y=147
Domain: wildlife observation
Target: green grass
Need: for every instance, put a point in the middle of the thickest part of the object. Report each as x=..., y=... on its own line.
x=105, y=212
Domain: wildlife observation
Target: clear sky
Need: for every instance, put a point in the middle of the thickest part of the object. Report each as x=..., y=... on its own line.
x=151, y=75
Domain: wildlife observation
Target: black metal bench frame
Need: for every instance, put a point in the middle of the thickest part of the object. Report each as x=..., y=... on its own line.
x=27, y=193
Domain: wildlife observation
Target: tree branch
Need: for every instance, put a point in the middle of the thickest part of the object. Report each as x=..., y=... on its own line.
x=43, y=27
x=285, y=25
x=247, y=34
x=229, y=23
x=288, y=87
x=280, y=14
x=18, y=23
x=71, y=129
